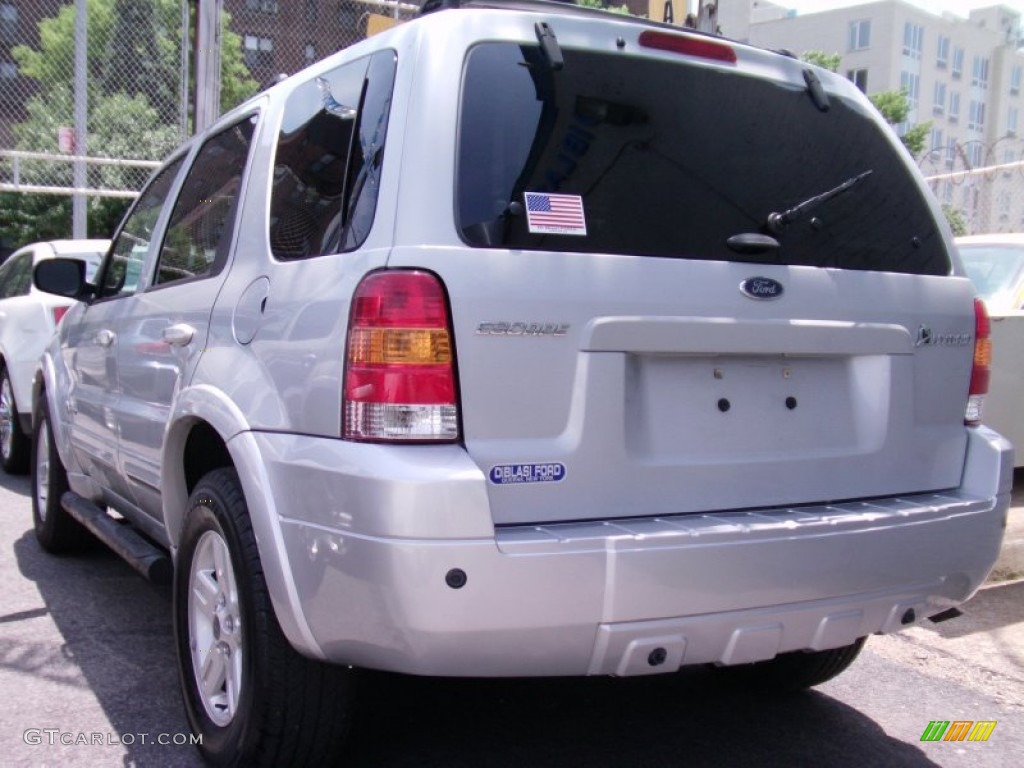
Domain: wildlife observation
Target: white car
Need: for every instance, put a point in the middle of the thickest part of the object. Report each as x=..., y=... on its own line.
x=995, y=264
x=28, y=318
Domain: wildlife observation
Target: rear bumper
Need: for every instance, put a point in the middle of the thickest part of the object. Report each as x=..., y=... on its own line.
x=597, y=598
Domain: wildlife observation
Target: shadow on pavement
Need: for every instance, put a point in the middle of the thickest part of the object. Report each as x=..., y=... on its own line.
x=117, y=634
x=691, y=719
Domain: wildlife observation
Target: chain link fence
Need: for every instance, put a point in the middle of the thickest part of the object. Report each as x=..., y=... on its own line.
x=980, y=184
x=135, y=63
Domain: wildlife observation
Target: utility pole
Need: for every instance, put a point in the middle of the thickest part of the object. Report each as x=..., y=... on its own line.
x=207, y=68
x=79, y=222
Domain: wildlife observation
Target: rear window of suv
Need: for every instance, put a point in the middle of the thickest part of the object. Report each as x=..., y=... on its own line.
x=629, y=155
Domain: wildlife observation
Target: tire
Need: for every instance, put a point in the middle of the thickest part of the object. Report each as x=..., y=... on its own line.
x=797, y=670
x=56, y=531
x=14, y=443
x=267, y=704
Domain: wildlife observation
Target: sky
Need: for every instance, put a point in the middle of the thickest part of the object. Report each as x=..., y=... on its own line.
x=960, y=7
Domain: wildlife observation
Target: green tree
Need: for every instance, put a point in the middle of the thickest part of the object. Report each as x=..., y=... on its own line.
x=894, y=105
x=955, y=217
x=829, y=61
x=603, y=6
x=133, y=57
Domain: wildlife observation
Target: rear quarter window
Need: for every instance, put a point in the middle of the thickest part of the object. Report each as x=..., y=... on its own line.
x=329, y=158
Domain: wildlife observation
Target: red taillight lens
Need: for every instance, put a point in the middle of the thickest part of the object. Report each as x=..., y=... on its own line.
x=400, y=369
x=58, y=313
x=689, y=46
x=981, y=370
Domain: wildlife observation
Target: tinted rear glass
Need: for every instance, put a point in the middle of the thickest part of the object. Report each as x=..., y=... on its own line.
x=329, y=159
x=649, y=157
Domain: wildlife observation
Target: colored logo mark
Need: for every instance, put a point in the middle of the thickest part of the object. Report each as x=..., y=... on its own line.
x=958, y=730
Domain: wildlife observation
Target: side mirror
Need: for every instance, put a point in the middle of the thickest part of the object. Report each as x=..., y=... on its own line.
x=64, y=277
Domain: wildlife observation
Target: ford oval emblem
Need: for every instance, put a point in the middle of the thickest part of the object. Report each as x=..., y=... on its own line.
x=761, y=288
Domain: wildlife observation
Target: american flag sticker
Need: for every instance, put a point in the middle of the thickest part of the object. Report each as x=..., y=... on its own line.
x=548, y=214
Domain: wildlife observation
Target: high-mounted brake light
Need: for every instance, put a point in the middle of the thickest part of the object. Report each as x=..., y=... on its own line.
x=400, y=368
x=689, y=46
x=981, y=370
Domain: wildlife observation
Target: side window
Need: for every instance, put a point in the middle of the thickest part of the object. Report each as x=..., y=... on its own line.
x=120, y=274
x=5, y=279
x=329, y=157
x=368, y=153
x=16, y=277
x=21, y=282
x=199, y=231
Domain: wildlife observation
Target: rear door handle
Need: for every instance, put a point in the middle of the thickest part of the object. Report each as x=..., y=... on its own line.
x=179, y=335
x=105, y=337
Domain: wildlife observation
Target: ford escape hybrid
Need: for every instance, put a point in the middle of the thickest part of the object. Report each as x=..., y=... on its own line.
x=524, y=341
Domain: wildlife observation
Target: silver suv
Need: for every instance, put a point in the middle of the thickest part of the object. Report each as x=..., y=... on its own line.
x=532, y=341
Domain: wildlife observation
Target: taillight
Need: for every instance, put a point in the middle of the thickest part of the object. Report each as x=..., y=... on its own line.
x=982, y=364
x=400, y=368
x=58, y=313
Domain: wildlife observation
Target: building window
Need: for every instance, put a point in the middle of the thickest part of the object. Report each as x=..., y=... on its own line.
x=860, y=35
x=310, y=53
x=910, y=82
x=954, y=107
x=1003, y=204
x=1011, y=121
x=858, y=77
x=942, y=57
x=259, y=51
x=937, y=140
x=8, y=70
x=974, y=150
x=312, y=10
x=940, y=99
x=913, y=40
x=950, y=152
x=979, y=73
x=1015, y=79
x=264, y=6
x=8, y=23
x=976, y=116
x=958, y=62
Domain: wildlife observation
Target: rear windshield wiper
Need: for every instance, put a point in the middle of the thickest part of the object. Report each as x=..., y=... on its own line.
x=777, y=222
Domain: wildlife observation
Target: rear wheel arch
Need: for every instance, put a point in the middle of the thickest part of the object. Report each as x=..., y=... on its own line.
x=193, y=448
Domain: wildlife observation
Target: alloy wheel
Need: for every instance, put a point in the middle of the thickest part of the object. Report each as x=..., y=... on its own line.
x=215, y=628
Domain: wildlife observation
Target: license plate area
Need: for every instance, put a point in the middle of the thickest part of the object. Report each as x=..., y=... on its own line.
x=710, y=408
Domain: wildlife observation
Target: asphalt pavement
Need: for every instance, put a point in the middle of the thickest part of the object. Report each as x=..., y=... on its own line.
x=1011, y=557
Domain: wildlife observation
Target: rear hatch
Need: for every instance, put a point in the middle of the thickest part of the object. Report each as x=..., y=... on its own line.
x=689, y=283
